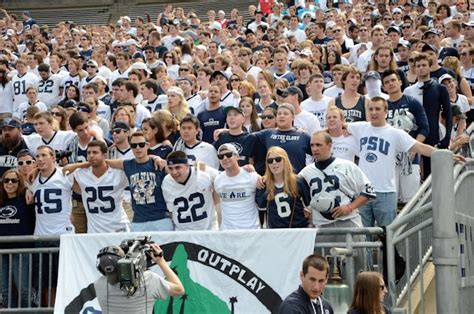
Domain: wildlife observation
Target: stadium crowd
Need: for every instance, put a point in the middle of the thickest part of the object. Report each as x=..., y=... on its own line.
x=312, y=113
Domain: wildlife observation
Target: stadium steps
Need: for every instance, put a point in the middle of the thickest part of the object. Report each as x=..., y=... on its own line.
x=198, y=7
x=429, y=292
x=83, y=16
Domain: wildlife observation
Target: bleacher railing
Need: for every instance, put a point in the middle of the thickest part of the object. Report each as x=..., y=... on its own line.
x=436, y=227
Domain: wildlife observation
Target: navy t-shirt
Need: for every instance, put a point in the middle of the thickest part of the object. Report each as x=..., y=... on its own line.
x=295, y=143
x=161, y=151
x=243, y=142
x=145, y=186
x=16, y=218
x=211, y=120
x=8, y=158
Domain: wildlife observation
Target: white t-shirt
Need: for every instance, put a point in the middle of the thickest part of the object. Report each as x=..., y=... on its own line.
x=191, y=203
x=202, y=151
x=378, y=149
x=299, y=34
x=307, y=121
x=102, y=199
x=345, y=147
x=53, y=203
x=59, y=141
x=142, y=113
x=20, y=111
x=343, y=180
x=318, y=108
x=237, y=193
x=112, y=299
x=333, y=91
x=6, y=95
x=49, y=90
x=364, y=60
x=117, y=74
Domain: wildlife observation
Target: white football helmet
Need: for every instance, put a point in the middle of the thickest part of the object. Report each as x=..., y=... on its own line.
x=323, y=202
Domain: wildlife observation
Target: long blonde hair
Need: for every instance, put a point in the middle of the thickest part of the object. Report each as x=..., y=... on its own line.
x=290, y=186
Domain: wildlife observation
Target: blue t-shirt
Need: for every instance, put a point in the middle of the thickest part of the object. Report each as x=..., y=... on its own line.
x=16, y=218
x=211, y=120
x=145, y=186
x=243, y=142
x=161, y=151
x=295, y=143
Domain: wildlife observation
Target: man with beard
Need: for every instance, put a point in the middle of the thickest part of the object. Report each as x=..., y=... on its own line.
x=11, y=143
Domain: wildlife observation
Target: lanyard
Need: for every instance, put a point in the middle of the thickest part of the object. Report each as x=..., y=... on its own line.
x=320, y=305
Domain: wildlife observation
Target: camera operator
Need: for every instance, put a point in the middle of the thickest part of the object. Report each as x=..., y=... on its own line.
x=111, y=295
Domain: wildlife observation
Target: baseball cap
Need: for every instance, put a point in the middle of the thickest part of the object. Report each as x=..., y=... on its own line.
x=430, y=31
x=175, y=90
x=445, y=77
x=249, y=31
x=397, y=10
x=427, y=47
x=71, y=103
x=201, y=47
x=469, y=24
x=306, y=52
x=457, y=112
x=187, y=79
x=393, y=29
x=229, y=108
x=215, y=26
x=116, y=43
x=292, y=90
x=216, y=73
x=11, y=122
x=449, y=52
x=92, y=63
x=131, y=41
x=120, y=125
x=140, y=66
x=228, y=148
x=404, y=43
x=372, y=75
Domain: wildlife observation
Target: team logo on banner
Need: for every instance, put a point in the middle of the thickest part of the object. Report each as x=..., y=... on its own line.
x=199, y=299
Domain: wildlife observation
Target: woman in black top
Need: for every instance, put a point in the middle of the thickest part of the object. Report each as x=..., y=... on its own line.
x=17, y=218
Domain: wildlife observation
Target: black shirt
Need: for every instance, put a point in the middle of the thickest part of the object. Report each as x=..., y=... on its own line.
x=8, y=157
x=298, y=303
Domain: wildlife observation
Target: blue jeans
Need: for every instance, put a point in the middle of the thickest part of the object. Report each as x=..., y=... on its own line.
x=382, y=210
x=165, y=224
x=22, y=287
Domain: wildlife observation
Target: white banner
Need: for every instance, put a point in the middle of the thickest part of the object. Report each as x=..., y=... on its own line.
x=222, y=272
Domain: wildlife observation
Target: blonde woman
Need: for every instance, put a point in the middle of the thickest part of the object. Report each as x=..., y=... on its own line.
x=284, y=194
x=169, y=123
x=177, y=104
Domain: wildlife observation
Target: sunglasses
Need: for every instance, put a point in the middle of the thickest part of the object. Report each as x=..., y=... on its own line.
x=382, y=287
x=90, y=66
x=387, y=19
x=83, y=109
x=10, y=180
x=186, y=70
x=235, y=80
x=56, y=113
x=25, y=162
x=267, y=116
x=135, y=145
x=228, y=155
x=406, y=26
x=272, y=160
x=117, y=131
x=464, y=54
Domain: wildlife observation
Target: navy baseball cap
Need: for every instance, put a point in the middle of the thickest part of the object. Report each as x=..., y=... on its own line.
x=222, y=73
x=292, y=90
x=373, y=75
x=229, y=108
x=120, y=125
x=11, y=122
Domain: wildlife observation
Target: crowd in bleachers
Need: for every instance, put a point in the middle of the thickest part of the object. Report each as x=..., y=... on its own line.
x=170, y=122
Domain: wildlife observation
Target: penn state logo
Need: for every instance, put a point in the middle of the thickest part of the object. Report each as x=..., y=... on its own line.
x=8, y=211
x=238, y=146
x=371, y=157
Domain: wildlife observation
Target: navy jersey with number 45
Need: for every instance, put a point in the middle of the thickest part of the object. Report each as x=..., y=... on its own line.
x=286, y=211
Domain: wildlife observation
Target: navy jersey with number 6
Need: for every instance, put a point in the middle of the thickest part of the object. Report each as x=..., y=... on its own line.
x=286, y=211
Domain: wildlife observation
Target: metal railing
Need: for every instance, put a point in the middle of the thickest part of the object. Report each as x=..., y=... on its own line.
x=413, y=234
x=36, y=255
x=29, y=271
